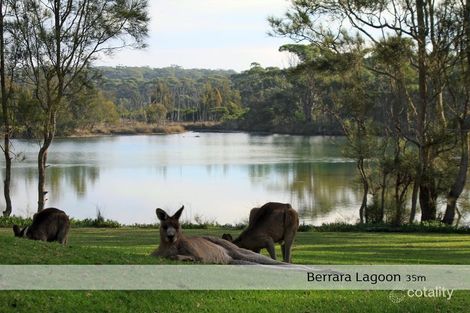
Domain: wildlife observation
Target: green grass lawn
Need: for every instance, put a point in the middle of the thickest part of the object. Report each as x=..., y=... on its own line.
x=133, y=246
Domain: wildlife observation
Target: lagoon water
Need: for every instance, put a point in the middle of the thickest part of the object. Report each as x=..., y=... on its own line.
x=217, y=176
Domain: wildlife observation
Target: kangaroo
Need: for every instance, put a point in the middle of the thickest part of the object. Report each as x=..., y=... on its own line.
x=269, y=224
x=50, y=224
x=176, y=246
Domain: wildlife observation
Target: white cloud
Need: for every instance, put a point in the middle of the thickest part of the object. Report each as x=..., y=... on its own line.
x=213, y=58
x=222, y=5
x=208, y=33
x=184, y=15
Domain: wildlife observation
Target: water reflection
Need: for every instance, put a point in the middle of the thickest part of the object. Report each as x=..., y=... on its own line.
x=317, y=189
x=217, y=176
x=78, y=177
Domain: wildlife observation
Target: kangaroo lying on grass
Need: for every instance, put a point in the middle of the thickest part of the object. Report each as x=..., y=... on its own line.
x=174, y=245
x=271, y=223
x=50, y=224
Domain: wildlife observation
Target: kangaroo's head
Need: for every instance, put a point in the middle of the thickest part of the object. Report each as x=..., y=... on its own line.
x=237, y=241
x=170, y=230
x=19, y=232
x=227, y=237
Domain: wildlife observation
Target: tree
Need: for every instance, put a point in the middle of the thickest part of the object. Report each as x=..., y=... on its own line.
x=304, y=76
x=156, y=112
x=264, y=93
x=211, y=100
x=162, y=95
x=5, y=113
x=433, y=28
x=392, y=56
x=60, y=40
x=351, y=102
x=8, y=61
x=88, y=108
x=459, y=87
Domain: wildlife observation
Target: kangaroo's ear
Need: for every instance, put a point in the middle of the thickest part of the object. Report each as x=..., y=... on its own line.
x=177, y=215
x=16, y=230
x=161, y=214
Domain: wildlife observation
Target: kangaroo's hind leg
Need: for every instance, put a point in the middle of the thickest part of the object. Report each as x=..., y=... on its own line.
x=286, y=247
x=270, y=248
x=63, y=234
x=283, y=251
x=291, y=225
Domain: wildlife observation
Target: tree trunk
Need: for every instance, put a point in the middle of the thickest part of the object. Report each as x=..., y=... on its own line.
x=365, y=188
x=307, y=108
x=52, y=105
x=7, y=180
x=6, y=117
x=450, y=209
x=414, y=201
x=42, y=159
x=398, y=204
x=382, y=200
x=427, y=201
x=307, y=104
x=460, y=180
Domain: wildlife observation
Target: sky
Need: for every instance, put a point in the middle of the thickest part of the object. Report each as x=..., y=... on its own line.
x=213, y=34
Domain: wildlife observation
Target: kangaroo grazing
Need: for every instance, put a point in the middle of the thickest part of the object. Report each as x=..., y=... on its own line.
x=50, y=224
x=176, y=246
x=269, y=224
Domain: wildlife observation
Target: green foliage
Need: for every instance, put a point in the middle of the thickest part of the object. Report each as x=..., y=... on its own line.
x=210, y=103
x=98, y=222
x=187, y=95
x=86, y=28
x=161, y=94
x=86, y=110
x=95, y=222
x=265, y=95
x=233, y=112
x=407, y=84
x=27, y=115
x=156, y=112
x=9, y=221
x=424, y=227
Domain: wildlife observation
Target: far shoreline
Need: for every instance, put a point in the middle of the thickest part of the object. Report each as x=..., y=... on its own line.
x=130, y=128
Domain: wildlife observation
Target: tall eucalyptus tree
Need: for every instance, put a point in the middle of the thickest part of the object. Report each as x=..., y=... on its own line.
x=60, y=39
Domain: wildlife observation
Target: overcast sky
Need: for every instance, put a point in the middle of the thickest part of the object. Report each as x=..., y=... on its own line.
x=215, y=34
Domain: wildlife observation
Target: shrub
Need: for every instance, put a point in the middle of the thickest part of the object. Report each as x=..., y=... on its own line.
x=99, y=222
x=94, y=222
x=426, y=227
x=14, y=220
